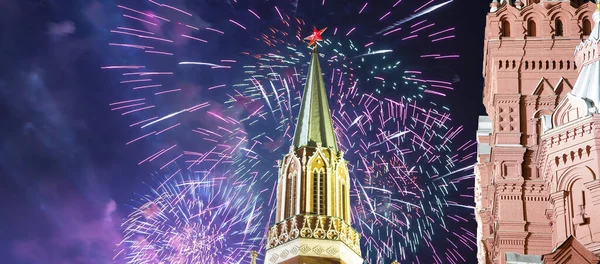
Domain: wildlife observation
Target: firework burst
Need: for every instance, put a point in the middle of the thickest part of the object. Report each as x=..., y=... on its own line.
x=230, y=109
x=193, y=218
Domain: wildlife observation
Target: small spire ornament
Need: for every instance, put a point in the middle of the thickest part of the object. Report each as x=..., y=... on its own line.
x=253, y=255
x=315, y=37
x=494, y=6
x=518, y=4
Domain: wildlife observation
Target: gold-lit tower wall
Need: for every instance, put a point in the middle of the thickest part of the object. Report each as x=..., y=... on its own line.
x=313, y=180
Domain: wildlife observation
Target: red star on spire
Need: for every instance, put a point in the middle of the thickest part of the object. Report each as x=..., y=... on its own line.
x=315, y=36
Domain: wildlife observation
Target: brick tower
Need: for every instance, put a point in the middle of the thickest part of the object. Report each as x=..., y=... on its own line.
x=528, y=69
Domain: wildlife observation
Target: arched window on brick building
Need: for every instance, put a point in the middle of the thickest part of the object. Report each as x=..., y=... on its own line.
x=558, y=28
x=587, y=27
x=505, y=28
x=531, y=28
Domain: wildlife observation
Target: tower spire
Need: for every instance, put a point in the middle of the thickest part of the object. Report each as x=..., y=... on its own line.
x=314, y=121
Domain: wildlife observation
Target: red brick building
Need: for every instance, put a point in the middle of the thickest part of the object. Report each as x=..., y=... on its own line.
x=537, y=187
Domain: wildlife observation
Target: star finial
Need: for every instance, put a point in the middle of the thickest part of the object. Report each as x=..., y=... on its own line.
x=314, y=37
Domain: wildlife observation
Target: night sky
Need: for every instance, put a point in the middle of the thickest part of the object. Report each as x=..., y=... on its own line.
x=66, y=177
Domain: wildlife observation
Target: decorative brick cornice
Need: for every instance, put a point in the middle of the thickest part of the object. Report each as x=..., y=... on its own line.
x=565, y=135
x=557, y=197
x=530, y=99
x=507, y=101
x=502, y=150
x=583, y=125
x=510, y=238
x=536, y=198
x=593, y=185
x=507, y=98
x=509, y=188
x=537, y=187
x=539, y=236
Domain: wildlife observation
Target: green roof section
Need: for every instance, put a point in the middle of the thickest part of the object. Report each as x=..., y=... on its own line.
x=314, y=123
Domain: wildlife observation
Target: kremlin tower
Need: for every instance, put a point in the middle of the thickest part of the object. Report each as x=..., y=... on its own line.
x=537, y=190
x=312, y=222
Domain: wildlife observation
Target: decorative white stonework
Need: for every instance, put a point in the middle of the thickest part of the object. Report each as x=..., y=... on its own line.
x=314, y=226
x=310, y=247
x=332, y=251
x=587, y=56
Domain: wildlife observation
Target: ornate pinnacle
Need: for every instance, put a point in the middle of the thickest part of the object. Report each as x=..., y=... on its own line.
x=494, y=6
x=253, y=255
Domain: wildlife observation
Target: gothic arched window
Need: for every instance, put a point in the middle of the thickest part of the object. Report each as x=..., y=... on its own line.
x=558, y=31
x=291, y=195
x=323, y=194
x=281, y=207
x=315, y=197
x=344, y=205
x=319, y=192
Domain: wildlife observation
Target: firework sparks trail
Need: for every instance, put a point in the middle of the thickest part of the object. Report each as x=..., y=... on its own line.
x=409, y=170
x=415, y=16
x=200, y=63
x=372, y=52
